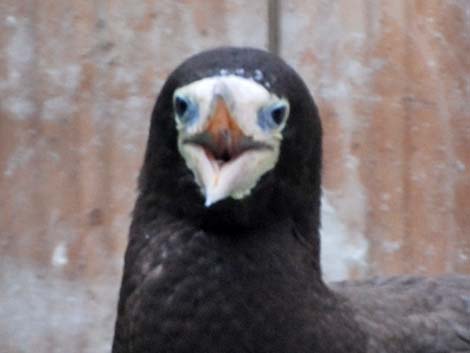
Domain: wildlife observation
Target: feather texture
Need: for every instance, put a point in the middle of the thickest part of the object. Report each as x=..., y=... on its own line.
x=412, y=314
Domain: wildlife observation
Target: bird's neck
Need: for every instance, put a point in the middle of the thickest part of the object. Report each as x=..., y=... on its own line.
x=239, y=288
x=282, y=247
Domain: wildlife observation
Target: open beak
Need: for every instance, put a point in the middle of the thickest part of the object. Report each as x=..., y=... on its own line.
x=223, y=140
x=223, y=143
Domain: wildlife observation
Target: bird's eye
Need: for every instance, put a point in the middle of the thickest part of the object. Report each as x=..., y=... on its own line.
x=186, y=111
x=278, y=114
x=181, y=105
x=273, y=116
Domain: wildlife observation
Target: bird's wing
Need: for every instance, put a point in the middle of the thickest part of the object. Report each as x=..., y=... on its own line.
x=412, y=314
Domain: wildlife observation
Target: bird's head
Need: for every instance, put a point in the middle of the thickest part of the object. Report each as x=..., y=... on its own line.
x=235, y=139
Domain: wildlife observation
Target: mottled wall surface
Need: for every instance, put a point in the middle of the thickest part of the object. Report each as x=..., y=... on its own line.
x=77, y=85
x=392, y=80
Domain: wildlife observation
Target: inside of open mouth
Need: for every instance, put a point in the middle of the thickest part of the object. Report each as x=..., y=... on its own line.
x=221, y=158
x=221, y=152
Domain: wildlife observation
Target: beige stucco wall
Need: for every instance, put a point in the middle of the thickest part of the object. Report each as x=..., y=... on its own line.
x=77, y=84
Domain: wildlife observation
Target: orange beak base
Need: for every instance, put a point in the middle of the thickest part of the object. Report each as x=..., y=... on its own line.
x=223, y=140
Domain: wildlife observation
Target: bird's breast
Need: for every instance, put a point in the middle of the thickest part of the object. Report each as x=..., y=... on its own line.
x=201, y=295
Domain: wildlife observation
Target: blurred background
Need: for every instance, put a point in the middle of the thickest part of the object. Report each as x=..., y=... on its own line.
x=77, y=83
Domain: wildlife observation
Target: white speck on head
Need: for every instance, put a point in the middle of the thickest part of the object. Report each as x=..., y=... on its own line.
x=59, y=256
x=258, y=75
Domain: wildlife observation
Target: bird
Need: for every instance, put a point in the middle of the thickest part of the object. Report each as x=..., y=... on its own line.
x=223, y=252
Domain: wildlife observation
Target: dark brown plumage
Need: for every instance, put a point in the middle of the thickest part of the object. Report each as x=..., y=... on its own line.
x=411, y=313
x=243, y=275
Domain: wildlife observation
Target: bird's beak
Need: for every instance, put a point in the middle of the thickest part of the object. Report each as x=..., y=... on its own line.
x=223, y=142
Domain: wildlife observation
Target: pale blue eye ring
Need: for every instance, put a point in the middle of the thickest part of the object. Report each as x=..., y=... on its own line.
x=273, y=116
x=186, y=111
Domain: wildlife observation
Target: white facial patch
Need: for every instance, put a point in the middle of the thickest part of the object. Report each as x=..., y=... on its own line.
x=244, y=98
